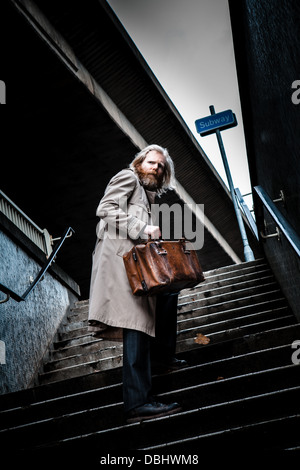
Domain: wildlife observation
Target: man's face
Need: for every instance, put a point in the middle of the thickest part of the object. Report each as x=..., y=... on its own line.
x=151, y=170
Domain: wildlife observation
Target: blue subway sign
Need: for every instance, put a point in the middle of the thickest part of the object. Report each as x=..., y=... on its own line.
x=209, y=125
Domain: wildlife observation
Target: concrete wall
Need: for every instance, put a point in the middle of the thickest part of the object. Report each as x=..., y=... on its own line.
x=27, y=328
x=267, y=43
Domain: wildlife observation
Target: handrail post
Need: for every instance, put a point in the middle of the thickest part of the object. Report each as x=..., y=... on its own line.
x=248, y=253
x=6, y=299
x=247, y=212
x=282, y=224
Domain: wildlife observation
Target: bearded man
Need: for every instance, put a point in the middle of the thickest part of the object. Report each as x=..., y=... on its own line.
x=114, y=312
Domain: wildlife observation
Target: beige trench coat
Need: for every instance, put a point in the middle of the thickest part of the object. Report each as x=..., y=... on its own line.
x=124, y=212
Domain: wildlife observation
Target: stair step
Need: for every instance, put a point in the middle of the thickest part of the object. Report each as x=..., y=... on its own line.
x=77, y=340
x=218, y=417
x=81, y=303
x=116, y=360
x=230, y=278
x=232, y=268
x=91, y=367
x=209, y=305
x=83, y=357
x=220, y=288
x=56, y=390
x=75, y=332
x=216, y=331
x=198, y=299
x=91, y=345
x=202, y=354
x=99, y=350
x=231, y=389
x=82, y=336
x=231, y=318
x=78, y=315
x=240, y=365
x=216, y=304
x=268, y=436
x=188, y=340
x=241, y=385
x=239, y=272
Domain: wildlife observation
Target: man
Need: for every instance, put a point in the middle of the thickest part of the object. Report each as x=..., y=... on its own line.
x=125, y=218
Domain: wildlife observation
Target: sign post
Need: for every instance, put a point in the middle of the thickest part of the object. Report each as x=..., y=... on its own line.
x=214, y=124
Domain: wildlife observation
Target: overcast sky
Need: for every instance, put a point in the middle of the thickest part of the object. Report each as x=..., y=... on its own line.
x=188, y=46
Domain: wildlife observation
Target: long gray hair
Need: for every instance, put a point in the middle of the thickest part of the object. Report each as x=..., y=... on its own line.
x=169, y=172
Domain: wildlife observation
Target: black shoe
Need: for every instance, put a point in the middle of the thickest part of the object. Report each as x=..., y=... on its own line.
x=175, y=364
x=151, y=410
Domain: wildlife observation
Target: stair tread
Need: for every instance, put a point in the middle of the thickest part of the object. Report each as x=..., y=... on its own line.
x=116, y=361
x=116, y=351
x=220, y=323
x=217, y=287
x=244, y=300
x=243, y=380
x=237, y=266
x=88, y=368
x=127, y=433
x=230, y=346
x=231, y=431
x=197, y=388
x=237, y=292
x=282, y=362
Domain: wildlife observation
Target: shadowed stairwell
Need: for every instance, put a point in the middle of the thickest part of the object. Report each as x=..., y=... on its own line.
x=239, y=391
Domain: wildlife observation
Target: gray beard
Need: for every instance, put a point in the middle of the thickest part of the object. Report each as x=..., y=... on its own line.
x=149, y=183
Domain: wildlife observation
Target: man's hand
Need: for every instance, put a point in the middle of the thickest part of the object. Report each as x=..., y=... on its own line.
x=153, y=231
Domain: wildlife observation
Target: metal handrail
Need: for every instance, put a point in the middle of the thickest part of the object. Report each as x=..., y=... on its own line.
x=282, y=224
x=246, y=211
x=19, y=298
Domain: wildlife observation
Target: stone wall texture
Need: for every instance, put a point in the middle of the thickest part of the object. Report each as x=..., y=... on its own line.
x=27, y=328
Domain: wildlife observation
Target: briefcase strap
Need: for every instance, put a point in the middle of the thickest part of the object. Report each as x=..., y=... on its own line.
x=138, y=269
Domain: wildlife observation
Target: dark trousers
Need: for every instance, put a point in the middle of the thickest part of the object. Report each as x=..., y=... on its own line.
x=139, y=350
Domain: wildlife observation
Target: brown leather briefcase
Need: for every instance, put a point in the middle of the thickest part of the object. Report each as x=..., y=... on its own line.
x=158, y=266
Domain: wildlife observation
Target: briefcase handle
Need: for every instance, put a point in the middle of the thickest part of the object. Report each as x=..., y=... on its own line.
x=160, y=249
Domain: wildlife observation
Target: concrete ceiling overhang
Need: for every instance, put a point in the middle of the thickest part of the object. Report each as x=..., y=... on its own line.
x=63, y=141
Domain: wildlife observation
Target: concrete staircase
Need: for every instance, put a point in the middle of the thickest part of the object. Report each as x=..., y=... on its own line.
x=240, y=391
